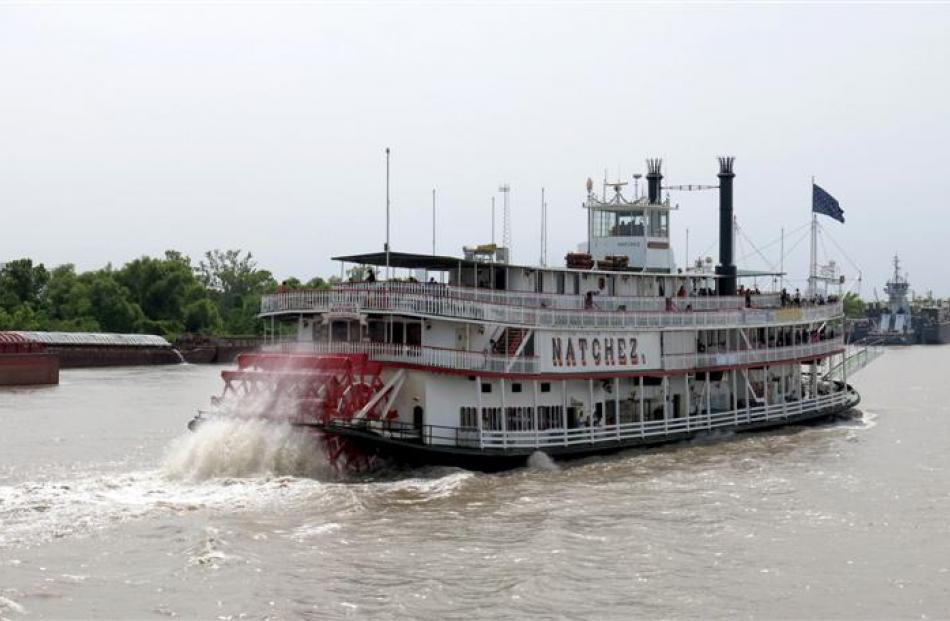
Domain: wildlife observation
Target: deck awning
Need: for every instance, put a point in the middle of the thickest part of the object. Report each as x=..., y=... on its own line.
x=410, y=260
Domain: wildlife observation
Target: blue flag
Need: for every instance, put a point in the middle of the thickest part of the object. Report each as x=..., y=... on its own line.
x=824, y=203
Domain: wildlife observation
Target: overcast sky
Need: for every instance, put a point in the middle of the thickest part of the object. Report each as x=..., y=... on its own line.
x=126, y=130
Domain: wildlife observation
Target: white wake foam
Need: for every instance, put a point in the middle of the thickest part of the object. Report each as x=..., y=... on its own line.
x=245, y=448
x=539, y=460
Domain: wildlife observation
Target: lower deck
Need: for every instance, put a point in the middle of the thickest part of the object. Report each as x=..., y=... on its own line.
x=480, y=450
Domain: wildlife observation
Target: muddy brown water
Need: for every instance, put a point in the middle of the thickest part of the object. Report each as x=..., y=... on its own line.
x=110, y=509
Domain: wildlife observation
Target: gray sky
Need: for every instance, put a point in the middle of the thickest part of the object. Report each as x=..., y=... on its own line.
x=126, y=130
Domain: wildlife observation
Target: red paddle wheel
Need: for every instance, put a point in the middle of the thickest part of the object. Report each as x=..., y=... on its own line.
x=307, y=390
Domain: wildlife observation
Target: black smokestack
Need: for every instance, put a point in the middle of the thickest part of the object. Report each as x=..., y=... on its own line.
x=726, y=270
x=654, y=177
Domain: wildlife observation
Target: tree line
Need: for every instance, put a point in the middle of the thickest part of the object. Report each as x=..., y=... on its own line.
x=168, y=296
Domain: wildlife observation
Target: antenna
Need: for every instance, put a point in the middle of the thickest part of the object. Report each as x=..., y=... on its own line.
x=505, y=189
x=433, y=221
x=544, y=230
x=636, y=185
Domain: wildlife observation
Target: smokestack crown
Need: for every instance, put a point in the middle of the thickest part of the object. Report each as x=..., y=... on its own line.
x=725, y=166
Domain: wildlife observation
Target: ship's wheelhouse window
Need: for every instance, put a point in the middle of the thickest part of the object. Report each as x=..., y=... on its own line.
x=604, y=223
x=629, y=225
x=659, y=224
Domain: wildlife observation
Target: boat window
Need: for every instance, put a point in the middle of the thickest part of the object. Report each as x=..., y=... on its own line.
x=560, y=282
x=515, y=387
x=545, y=386
x=577, y=284
x=377, y=331
x=659, y=224
x=550, y=417
x=629, y=225
x=539, y=282
x=398, y=334
x=468, y=417
x=338, y=331
x=604, y=223
x=414, y=334
x=486, y=387
x=491, y=419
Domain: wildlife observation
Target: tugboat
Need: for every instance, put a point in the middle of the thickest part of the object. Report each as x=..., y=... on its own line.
x=894, y=321
x=479, y=362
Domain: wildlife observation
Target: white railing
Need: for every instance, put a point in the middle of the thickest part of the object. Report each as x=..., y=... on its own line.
x=750, y=356
x=403, y=300
x=563, y=301
x=420, y=356
x=858, y=357
x=540, y=439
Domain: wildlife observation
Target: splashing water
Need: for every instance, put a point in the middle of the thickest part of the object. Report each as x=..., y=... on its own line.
x=245, y=448
x=539, y=460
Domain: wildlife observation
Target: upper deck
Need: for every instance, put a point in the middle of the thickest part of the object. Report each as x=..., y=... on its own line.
x=540, y=310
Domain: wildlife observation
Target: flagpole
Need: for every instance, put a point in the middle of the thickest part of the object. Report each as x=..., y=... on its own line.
x=813, y=260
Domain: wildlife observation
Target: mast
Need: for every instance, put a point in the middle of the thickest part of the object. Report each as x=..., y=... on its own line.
x=505, y=190
x=433, y=221
x=493, y=220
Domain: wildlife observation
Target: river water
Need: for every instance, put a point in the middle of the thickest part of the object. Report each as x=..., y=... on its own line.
x=109, y=508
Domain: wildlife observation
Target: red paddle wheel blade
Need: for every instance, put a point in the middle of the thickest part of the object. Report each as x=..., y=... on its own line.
x=307, y=389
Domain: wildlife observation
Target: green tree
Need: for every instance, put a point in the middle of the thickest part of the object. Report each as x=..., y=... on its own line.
x=853, y=305
x=110, y=304
x=162, y=289
x=21, y=282
x=235, y=284
x=202, y=317
x=319, y=283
